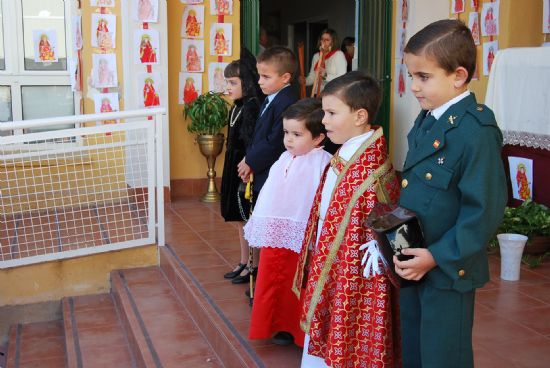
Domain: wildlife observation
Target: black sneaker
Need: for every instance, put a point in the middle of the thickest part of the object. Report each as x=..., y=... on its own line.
x=282, y=338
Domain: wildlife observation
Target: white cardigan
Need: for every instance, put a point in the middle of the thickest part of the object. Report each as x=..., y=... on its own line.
x=336, y=66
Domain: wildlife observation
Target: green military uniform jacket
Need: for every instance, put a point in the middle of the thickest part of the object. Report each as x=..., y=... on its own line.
x=453, y=178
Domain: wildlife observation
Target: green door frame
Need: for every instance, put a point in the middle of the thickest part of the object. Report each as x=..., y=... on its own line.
x=374, y=24
x=250, y=21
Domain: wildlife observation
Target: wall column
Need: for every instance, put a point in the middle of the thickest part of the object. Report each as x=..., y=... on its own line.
x=250, y=22
x=374, y=50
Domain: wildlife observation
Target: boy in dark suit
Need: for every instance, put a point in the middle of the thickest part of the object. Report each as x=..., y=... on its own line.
x=276, y=66
x=454, y=180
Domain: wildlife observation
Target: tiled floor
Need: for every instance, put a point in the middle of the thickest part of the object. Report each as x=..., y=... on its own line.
x=512, y=327
x=59, y=229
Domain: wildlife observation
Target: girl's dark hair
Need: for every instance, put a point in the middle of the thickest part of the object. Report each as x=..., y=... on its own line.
x=310, y=112
x=357, y=90
x=245, y=69
x=232, y=70
x=332, y=33
x=449, y=42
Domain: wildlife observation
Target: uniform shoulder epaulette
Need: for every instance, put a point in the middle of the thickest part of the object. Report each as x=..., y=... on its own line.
x=482, y=114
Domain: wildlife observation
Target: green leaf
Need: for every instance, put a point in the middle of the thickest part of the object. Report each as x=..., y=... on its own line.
x=208, y=114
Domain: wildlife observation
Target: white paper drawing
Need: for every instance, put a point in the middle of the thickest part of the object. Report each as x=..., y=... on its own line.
x=45, y=45
x=216, y=79
x=104, y=70
x=521, y=176
x=103, y=31
x=221, y=39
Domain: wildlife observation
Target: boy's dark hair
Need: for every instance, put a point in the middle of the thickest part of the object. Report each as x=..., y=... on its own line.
x=310, y=112
x=449, y=42
x=282, y=57
x=348, y=41
x=357, y=90
x=333, y=35
x=232, y=70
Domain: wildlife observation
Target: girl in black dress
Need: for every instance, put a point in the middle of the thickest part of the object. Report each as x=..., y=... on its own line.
x=242, y=85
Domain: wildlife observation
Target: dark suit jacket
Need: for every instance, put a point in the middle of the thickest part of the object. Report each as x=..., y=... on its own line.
x=454, y=180
x=267, y=142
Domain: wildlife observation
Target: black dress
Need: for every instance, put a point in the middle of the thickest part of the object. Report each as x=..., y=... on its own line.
x=239, y=137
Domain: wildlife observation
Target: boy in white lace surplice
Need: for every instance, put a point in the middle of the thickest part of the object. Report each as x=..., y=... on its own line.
x=279, y=219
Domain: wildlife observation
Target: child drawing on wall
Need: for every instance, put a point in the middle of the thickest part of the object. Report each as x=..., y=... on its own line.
x=106, y=107
x=523, y=183
x=219, y=80
x=490, y=58
x=45, y=49
x=190, y=93
x=192, y=26
x=192, y=59
x=145, y=10
x=150, y=96
x=105, y=75
x=220, y=43
x=147, y=54
x=222, y=7
x=102, y=34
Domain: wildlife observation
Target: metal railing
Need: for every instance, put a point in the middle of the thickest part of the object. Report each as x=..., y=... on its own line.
x=94, y=188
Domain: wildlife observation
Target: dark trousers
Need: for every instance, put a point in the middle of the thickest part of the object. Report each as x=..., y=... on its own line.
x=436, y=327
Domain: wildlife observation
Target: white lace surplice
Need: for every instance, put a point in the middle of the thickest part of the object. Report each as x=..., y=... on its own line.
x=281, y=212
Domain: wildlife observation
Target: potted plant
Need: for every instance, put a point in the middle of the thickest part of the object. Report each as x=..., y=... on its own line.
x=532, y=220
x=208, y=114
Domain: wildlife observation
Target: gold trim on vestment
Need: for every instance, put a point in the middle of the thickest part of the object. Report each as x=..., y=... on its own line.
x=335, y=246
x=297, y=284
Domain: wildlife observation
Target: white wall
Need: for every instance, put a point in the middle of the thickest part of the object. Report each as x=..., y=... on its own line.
x=406, y=108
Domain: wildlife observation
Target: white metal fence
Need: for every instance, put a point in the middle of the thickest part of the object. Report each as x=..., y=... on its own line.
x=89, y=189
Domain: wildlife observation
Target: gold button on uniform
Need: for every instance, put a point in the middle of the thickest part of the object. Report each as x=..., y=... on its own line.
x=404, y=183
x=428, y=176
x=461, y=273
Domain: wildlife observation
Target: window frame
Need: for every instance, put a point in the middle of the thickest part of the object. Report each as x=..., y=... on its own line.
x=15, y=74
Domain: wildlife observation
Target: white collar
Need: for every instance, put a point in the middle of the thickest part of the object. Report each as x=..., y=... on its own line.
x=351, y=145
x=441, y=109
x=273, y=95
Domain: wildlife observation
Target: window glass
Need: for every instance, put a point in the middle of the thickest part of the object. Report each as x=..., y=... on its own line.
x=2, y=58
x=44, y=34
x=45, y=102
x=5, y=106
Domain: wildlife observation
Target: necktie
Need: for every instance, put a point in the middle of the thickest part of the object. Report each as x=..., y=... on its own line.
x=425, y=126
x=264, y=106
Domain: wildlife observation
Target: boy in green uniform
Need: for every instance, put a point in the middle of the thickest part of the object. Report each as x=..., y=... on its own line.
x=454, y=180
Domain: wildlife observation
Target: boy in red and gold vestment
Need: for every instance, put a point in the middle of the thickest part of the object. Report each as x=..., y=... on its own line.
x=350, y=320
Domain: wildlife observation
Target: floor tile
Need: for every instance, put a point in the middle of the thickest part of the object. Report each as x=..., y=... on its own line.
x=534, y=319
x=506, y=301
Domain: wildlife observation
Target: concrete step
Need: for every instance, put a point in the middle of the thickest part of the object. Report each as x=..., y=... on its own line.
x=229, y=344
x=161, y=331
x=94, y=336
x=36, y=345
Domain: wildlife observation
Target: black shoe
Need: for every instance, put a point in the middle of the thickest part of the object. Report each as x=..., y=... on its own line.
x=247, y=293
x=282, y=338
x=246, y=278
x=237, y=272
